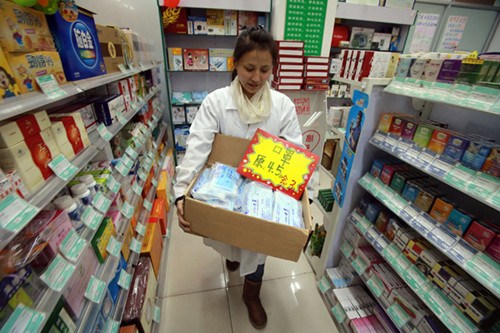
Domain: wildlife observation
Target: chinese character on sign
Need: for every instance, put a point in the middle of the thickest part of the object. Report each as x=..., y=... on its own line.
x=260, y=159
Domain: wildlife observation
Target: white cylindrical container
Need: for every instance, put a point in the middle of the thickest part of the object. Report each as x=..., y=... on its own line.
x=89, y=181
x=71, y=207
x=81, y=193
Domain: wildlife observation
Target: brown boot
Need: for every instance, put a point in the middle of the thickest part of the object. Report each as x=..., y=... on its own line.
x=256, y=312
x=232, y=265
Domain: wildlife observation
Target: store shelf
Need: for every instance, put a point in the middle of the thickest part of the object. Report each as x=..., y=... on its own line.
x=328, y=215
x=341, y=327
x=213, y=72
x=389, y=15
x=426, y=291
x=327, y=172
x=389, y=143
x=365, y=83
x=15, y=106
x=435, y=95
x=484, y=269
x=335, y=50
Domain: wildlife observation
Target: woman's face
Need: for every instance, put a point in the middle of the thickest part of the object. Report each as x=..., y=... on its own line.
x=254, y=68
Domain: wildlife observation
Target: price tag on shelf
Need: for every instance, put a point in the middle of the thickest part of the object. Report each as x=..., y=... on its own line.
x=148, y=205
x=426, y=157
x=415, y=278
x=409, y=213
x=381, y=243
x=401, y=264
x=15, y=213
x=365, y=181
x=363, y=225
x=50, y=86
x=112, y=326
x=104, y=133
x=391, y=252
x=376, y=286
x=155, y=117
x=440, y=167
x=124, y=279
x=113, y=185
x=399, y=316
x=101, y=203
x=455, y=321
x=122, y=68
x=137, y=188
x=141, y=229
x=442, y=238
x=460, y=176
x=129, y=163
x=127, y=210
x=484, y=185
x=95, y=290
x=122, y=168
x=423, y=223
x=377, y=186
x=121, y=118
x=157, y=314
x=154, y=181
x=378, y=139
x=359, y=265
x=462, y=252
x=62, y=167
x=72, y=246
x=437, y=301
x=400, y=203
x=324, y=285
x=484, y=267
x=411, y=157
x=388, y=193
x=495, y=199
x=132, y=153
x=339, y=313
x=135, y=245
x=92, y=218
x=58, y=273
x=391, y=142
x=372, y=234
x=142, y=175
x=24, y=319
x=151, y=125
x=114, y=247
x=403, y=146
x=137, y=142
x=346, y=249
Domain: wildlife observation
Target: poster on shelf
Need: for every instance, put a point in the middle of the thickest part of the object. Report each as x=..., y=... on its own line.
x=353, y=131
x=453, y=32
x=425, y=27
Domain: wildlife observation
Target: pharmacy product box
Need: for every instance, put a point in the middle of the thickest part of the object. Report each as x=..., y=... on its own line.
x=492, y=164
x=476, y=154
x=152, y=245
x=396, y=126
x=113, y=287
x=106, y=310
x=77, y=284
x=129, y=329
x=31, y=158
x=439, y=140
x=26, y=67
x=101, y=238
x=23, y=29
x=127, y=239
x=111, y=47
x=458, y=221
x=455, y=148
x=76, y=40
x=139, y=307
x=481, y=234
x=175, y=59
x=69, y=132
x=246, y=232
x=108, y=107
x=59, y=320
x=494, y=248
x=423, y=135
x=409, y=129
x=9, y=86
x=14, y=131
x=159, y=214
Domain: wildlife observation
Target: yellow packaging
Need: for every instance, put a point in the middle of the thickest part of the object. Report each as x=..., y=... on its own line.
x=129, y=234
x=393, y=65
x=24, y=29
x=161, y=190
x=152, y=245
x=27, y=66
x=385, y=122
x=8, y=84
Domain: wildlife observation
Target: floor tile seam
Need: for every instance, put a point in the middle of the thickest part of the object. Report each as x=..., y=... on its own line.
x=192, y=292
x=274, y=279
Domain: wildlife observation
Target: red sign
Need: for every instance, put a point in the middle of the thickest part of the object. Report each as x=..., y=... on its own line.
x=302, y=105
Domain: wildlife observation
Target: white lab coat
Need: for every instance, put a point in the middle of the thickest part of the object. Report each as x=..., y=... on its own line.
x=218, y=114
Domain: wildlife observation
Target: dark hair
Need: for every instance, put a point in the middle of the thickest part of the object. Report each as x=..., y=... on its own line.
x=9, y=77
x=254, y=38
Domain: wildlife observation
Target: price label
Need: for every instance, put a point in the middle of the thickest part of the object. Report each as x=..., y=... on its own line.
x=62, y=167
x=359, y=265
x=131, y=152
x=365, y=181
x=104, y=133
x=137, y=142
x=91, y=218
x=157, y=314
x=415, y=278
x=347, y=249
x=72, y=246
x=114, y=247
x=376, y=286
x=423, y=223
x=437, y=301
x=390, y=142
x=122, y=68
x=402, y=147
x=484, y=185
x=141, y=229
x=127, y=162
x=323, y=284
x=101, y=203
x=372, y=235
x=58, y=273
x=95, y=290
x=15, y=213
x=409, y=214
x=399, y=316
x=154, y=181
x=440, y=167
x=460, y=176
x=127, y=210
x=135, y=245
x=378, y=139
x=462, y=252
x=392, y=251
x=112, y=326
x=426, y=157
x=442, y=238
x=455, y=321
x=377, y=186
x=122, y=168
x=150, y=124
x=137, y=188
x=121, y=118
x=113, y=185
x=401, y=264
x=124, y=279
x=142, y=175
x=483, y=266
x=24, y=319
x=400, y=203
x=50, y=86
x=339, y=313
x=381, y=243
x=364, y=225
x=148, y=205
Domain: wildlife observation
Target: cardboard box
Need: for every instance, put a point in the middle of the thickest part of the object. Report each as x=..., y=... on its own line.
x=9, y=87
x=76, y=39
x=70, y=134
x=26, y=67
x=240, y=230
x=439, y=140
x=31, y=158
x=127, y=239
x=23, y=29
x=480, y=235
x=111, y=47
x=14, y=131
x=101, y=238
x=152, y=245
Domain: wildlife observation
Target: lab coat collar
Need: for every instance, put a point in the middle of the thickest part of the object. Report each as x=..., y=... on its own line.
x=230, y=104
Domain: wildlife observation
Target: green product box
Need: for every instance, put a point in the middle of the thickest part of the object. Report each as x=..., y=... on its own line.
x=423, y=135
x=492, y=72
x=101, y=238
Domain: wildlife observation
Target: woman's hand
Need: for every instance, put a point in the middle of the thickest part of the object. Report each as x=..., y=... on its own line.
x=185, y=225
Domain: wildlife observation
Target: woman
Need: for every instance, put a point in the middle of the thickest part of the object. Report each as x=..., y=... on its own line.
x=238, y=110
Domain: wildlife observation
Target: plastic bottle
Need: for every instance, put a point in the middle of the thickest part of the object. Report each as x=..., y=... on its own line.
x=89, y=181
x=81, y=193
x=69, y=205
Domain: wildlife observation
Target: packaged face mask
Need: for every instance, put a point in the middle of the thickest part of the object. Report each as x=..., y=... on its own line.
x=259, y=201
x=225, y=204
x=287, y=210
x=240, y=199
x=202, y=180
x=222, y=185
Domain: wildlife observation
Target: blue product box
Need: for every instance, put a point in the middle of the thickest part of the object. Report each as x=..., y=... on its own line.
x=459, y=221
x=75, y=36
x=181, y=135
x=372, y=211
x=106, y=310
x=108, y=107
x=455, y=148
x=113, y=286
x=476, y=154
x=411, y=190
x=377, y=166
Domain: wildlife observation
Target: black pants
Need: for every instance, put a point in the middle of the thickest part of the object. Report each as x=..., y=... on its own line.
x=257, y=275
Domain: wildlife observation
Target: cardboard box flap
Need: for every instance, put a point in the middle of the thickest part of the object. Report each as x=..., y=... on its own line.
x=223, y=144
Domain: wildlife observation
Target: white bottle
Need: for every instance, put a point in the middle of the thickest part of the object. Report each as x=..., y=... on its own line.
x=81, y=193
x=69, y=205
x=89, y=181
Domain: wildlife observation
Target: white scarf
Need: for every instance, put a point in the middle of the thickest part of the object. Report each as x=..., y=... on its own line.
x=255, y=109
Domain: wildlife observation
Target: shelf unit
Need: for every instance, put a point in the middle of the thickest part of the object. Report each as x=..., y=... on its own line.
x=366, y=84
x=431, y=296
x=323, y=287
x=54, y=185
x=475, y=263
x=327, y=172
x=402, y=16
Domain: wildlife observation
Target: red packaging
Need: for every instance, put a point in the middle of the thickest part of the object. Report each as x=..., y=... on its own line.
x=397, y=126
x=315, y=74
x=367, y=65
x=291, y=52
x=494, y=248
x=174, y=21
x=159, y=214
x=317, y=80
x=290, y=67
x=409, y=129
x=343, y=61
x=284, y=87
x=388, y=172
x=317, y=67
x=439, y=140
x=290, y=60
x=312, y=87
x=480, y=234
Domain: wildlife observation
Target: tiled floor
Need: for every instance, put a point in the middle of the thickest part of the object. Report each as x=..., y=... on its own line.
x=201, y=296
